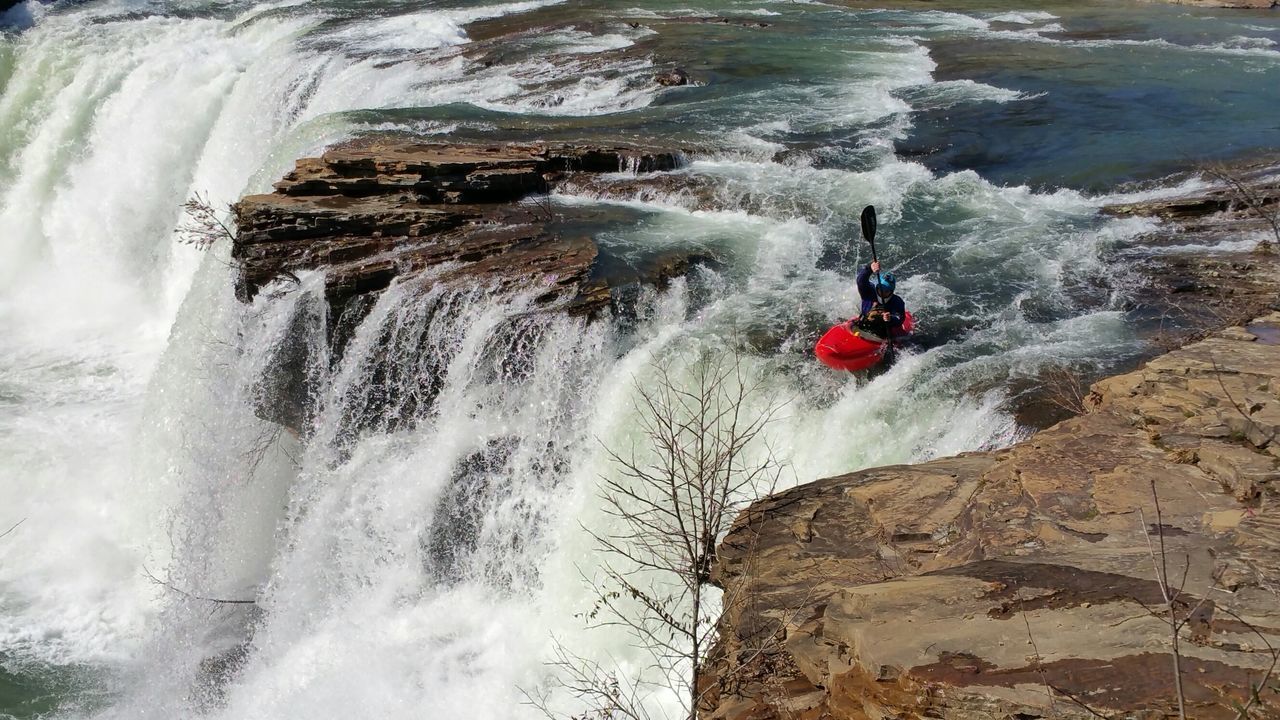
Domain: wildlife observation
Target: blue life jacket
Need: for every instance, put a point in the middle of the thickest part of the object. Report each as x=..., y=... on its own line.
x=871, y=300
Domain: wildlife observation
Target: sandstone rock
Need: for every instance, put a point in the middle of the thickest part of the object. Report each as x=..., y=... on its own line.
x=1016, y=584
x=369, y=212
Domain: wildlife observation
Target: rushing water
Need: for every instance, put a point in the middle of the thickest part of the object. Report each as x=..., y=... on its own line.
x=414, y=556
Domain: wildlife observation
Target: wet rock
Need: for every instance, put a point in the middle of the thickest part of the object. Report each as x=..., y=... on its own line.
x=673, y=78
x=1229, y=202
x=370, y=212
x=1184, y=292
x=720, y=20
x=1017, y=583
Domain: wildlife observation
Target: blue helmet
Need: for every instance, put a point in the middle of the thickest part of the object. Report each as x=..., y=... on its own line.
x=886, y=284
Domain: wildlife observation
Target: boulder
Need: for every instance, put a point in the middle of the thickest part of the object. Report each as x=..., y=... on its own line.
x=1024, y=583
x=673, y=78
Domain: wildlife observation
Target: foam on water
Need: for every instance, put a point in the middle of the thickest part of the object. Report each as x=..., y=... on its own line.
x=417, y=31
x=954, y=92
x=22, y=15
x=578, y=41
x=1040, y=28
x=107, y=127
x=1242, y=245
x=1023, y=18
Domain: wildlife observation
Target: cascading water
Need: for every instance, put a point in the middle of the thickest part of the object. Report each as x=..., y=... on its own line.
x=414, y=544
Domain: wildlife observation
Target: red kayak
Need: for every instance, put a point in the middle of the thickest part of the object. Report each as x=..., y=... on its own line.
x=846, y=348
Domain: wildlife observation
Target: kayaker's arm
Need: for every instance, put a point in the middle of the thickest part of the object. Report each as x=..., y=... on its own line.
x=865, y=289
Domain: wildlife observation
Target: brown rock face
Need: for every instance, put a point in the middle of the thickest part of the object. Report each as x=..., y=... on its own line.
x=1022, y=583
x=370, y=212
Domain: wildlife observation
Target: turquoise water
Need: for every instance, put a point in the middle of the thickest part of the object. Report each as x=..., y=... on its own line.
x=987, y=134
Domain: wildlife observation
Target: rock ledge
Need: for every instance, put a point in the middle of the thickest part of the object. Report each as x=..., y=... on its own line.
x=1019, y=583
x=369, y=212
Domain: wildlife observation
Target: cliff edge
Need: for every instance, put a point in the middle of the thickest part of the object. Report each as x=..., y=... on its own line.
x=1024, y=583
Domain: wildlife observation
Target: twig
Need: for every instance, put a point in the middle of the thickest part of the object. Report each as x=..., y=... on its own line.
x=203, y=227
x=1039, y=666
x=15, y=527
x=184, y=593
x=1079, y=703
x=1162, y=577
x=1255, y=691
x=1250, y=197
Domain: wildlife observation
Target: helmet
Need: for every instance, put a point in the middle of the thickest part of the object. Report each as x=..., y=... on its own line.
x=886, y=285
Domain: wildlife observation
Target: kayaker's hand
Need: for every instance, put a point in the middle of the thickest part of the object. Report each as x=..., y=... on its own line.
x=875, y=266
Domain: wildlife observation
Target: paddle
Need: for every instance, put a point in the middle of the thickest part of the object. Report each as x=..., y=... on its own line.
x=869, y=232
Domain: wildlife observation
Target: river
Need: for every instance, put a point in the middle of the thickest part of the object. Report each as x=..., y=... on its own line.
x=423, y=568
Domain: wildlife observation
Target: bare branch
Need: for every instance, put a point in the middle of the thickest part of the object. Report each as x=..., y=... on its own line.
x=14, y=527
x=169, y=586
x=1267, y=208
x=1255, y=690
x=203, y=225
x=673, y=503
x=1039, y=659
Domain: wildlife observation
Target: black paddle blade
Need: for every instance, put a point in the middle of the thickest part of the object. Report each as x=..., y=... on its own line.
x=869, y=223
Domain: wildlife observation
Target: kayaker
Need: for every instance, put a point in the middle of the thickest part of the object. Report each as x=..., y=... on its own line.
x=882, y=311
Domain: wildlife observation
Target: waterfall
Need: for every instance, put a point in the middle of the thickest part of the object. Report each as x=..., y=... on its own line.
x=219, y=511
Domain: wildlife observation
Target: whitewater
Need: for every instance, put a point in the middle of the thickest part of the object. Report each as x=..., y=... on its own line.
x=423, y=560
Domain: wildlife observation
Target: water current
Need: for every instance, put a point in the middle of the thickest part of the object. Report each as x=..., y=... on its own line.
x=423, y=568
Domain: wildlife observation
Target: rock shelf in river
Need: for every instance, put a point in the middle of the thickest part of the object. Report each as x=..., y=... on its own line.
x=372, y=211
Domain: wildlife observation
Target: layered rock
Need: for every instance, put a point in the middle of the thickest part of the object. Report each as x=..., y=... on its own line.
x=1186, y=290
x=1023, y=583
x=370, y=212
x=1224, y=206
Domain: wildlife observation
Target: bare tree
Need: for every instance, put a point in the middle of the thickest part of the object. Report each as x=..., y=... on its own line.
x=1178, y=614
x=1170, y=595
x=604, y=694
x=190, y=596
x=203, y=225
x=1066, y=390
x=673, y=502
